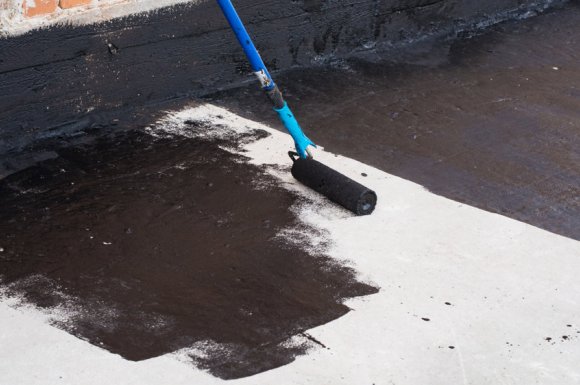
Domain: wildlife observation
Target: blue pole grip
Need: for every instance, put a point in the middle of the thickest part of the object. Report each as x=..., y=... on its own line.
x=301, y=141
x=245, y=41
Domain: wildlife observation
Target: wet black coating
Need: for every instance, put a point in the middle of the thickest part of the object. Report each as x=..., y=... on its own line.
x=154, y=245
x=66, y=79
x=491, y=121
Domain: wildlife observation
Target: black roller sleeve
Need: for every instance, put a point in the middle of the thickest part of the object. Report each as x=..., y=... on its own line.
x=335, y=186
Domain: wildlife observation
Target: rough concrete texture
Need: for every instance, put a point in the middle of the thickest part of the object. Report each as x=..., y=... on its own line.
x=67, y=79
x=466, y=296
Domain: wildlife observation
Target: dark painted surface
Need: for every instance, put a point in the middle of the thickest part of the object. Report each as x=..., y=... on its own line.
x=67, y=79
x=155, y=245
x=122, y=230
x=492, y=121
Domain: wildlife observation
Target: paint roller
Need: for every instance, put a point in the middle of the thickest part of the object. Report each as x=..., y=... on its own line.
x=332, y=184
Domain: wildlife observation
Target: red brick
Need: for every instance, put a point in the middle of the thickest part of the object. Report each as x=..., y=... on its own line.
x=39, y=7
x=73, y=3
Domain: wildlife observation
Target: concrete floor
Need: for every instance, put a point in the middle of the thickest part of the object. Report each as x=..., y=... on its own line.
x=465, y=295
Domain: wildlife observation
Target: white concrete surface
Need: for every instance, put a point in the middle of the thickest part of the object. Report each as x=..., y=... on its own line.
x=511, y=285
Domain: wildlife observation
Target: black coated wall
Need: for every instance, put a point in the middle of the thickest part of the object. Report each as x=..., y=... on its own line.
x=64, y=79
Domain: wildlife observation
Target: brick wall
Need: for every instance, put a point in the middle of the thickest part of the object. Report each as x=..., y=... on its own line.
x=21, y=16
x=41, y=8
x=32, y=8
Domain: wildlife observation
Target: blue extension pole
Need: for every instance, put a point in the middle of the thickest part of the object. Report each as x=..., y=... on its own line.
x=301, y=142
